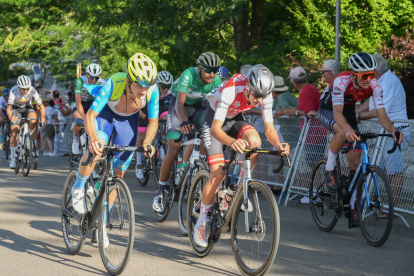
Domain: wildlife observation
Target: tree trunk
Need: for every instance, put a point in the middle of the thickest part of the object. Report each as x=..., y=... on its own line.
x=256, y=25
x=241, y=28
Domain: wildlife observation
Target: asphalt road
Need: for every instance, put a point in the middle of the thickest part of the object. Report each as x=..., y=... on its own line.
x=31, y=240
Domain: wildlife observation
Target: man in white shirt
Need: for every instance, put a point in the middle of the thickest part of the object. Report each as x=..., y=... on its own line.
x=396, y=109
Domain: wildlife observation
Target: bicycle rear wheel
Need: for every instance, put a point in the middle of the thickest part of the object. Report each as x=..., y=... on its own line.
x=321, y=199
x=26, y=155
x=255, y=251
x=117, y=246
x=73, y=235
x=184, y=191
x=374, y=220
x=193, y=211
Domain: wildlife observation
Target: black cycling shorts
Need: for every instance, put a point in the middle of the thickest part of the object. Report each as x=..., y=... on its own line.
x=21, y=112
x=85, y=105
x=194, y=113
x=234, y=128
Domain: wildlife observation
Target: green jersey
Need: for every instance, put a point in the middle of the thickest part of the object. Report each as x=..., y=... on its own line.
x=190, y=84
x=80, y=90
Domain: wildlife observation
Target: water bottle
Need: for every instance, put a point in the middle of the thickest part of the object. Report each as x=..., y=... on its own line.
x=223, y=206
x=230, y=193
x=162, y=153
x=180, y=171
x=91, y=195
x=96, y=189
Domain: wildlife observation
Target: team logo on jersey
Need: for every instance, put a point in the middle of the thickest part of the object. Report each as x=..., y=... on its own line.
x=98, y=98
x=239, y=78
x=237, y=104
x=185, y=81
x=95, y=104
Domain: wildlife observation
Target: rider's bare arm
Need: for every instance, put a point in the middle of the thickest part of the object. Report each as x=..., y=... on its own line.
x=79, y=107
x=92, y=133
x=150, y=134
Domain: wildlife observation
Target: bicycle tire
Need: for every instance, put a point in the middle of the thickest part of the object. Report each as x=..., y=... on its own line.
x=195, y=195
x=157, y=167
x=317, y=205
x=67, y=221
x=254, y=187
x=6, y=145
x=183, y=196
x=26, y=155
x=16, y=169
x=146, y=172
x=123, y=197
x=386, y=197
x=168, y=202
x=34, y=158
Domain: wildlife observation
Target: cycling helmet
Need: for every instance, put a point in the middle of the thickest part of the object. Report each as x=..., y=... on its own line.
x=24, y=82
x=209, y=60
x=165, y=77
x=5, y=92
x=261, y=80
x=223, y=72
x=93, y=70
x=362, y=62
x=142, y=70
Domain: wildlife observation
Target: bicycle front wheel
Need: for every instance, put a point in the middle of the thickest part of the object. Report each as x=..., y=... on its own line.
x=116, y=228
x=255, y=249
x=26, y=155
x=34, y=153
x=375, y=206
x=321, y=199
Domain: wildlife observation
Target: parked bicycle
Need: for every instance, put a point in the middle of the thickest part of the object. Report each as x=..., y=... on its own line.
x=255, y=229
x=374, y=202
x=114, y=226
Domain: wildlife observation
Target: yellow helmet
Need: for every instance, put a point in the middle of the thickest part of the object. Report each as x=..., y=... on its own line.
x=142, y=70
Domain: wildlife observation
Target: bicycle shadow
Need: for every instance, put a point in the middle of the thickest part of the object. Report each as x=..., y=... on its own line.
x=46, y=251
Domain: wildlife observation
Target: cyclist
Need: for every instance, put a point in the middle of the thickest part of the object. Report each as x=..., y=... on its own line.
x=186, y=111
x=337, y=113
x=114, y=111
x=224, y=124
x=5, y=92
x=20, y=106
x=82, y=100
x=223, y=73
x=164, y=82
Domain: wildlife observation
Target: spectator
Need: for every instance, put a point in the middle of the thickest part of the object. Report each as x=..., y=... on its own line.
x=308, y=105
x=396, y=109
x=51, y=123
x=283, y=99
x=245, y=69
x=330, y=70
x=57, y=99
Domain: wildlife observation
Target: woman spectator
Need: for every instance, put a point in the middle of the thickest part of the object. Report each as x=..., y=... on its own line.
x=52, y=121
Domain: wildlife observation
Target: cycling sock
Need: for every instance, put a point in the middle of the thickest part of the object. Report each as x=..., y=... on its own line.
x=203, y=214
x=330, y=164
x=352, y=200
x=13, y=152
x=80, y=181
x=76, y=139
x=161, y=187
x=139, y=158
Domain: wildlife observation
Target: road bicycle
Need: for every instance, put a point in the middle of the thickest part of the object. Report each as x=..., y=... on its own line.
x=7, y=135
x=27, y=153
x=374, y=202
x=113, y=225
x=255, y=228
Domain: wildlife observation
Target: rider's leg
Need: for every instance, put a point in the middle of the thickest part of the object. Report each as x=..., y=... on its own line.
x=166, y=166
x=13, y=141
x=336, y=144
x=32, y=123
x=141, y=136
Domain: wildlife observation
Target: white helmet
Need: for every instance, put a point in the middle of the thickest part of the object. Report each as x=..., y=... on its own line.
x=93, y=70
x=362, y=62
x=24, y=82
x=165, y=77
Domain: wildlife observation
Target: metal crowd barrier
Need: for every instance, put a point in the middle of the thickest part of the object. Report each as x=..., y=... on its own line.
x=66, y=145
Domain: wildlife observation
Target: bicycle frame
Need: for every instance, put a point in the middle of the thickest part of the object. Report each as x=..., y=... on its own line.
x=195, y=155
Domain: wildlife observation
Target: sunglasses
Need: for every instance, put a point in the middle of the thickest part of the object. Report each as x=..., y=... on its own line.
x=93, y=78
x=210, y=70
x=324, y=71
x=255, y=94
x=165, y=86
x=24, y=89
x=366, y=76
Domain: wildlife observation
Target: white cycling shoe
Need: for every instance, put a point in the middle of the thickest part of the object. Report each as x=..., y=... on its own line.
x=157, y=205
x=139, y=174
x=105, y=236
x=78, y=200
x=13, y=163
x=199, y=236
x=250, y=206
x=75, y=148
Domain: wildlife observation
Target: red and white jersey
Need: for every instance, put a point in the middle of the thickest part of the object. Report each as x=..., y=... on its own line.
x=228, y=100
x=345, y=93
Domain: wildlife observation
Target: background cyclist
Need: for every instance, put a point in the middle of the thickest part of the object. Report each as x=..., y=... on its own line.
x=5, y=92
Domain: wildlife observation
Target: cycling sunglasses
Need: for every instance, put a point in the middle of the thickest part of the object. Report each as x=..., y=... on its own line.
x=366, y=76
x=210, y=70
x=255, y=94
x=93, y=78
x=165, y=86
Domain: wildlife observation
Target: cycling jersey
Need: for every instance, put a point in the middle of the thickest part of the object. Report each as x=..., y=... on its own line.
x=110, y=94
x=80, y=90
x=18, y=100
x=3, y=103
x=230, y=100
x=190, y=84
x=342, y=91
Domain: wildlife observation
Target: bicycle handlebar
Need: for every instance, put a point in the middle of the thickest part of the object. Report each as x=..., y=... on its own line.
x=259, y=150
x=182, y=135
x=366, y=136
x=114, y=148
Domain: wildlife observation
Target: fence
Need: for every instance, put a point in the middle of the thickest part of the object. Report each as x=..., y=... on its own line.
x=309, y=142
